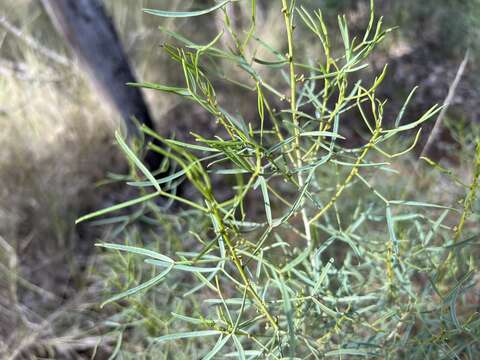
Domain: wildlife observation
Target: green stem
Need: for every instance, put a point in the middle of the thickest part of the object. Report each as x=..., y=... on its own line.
x=293, y=108
x=445, y=265
x=350, y=176
x=241, y=271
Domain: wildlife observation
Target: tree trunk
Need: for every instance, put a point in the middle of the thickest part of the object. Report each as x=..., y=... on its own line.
x=92, y=37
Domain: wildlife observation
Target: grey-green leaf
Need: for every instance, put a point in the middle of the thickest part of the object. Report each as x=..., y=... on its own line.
x=131, y=155
x=218, y=346
x=147, y=284
x=185, y=14
x=136, y=250
x=117, y=207
x=266, y=199
x=186, y=335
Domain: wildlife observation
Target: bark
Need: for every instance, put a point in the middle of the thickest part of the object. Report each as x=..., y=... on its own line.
x=92, y=37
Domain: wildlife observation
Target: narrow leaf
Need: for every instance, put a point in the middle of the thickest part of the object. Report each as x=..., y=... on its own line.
x=185, y=14
x=117, y=207
x=266, y=200
x=147, y=284
x=136, y=250
x=353, y=352
x=187, y=335
x=391, y=231
x=131, y=155
x=193, y=269
x=218, y=346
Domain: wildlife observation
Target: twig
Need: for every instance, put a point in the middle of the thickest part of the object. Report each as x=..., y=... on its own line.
x=438, y=123
x=446, y=104
x=34, y=44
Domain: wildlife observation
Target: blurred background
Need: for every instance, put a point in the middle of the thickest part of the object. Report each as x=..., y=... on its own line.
x=57, y=138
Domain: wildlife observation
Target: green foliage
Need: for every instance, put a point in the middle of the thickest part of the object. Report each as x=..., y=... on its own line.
x=454, y=22
x=451, y=26
x=319, y=249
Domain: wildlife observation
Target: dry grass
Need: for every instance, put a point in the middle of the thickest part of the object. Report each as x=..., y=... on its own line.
x=56, y=143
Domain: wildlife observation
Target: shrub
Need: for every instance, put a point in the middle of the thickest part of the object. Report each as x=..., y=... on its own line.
x=318, y=250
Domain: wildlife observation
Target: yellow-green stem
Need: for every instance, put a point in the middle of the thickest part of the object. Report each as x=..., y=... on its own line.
x=349, y=178
x=293, y=108
x=467, y=206
x=241, y=271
